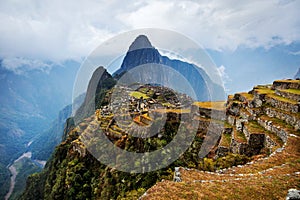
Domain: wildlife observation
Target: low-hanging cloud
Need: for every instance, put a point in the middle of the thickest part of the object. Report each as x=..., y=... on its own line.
x=58, y=30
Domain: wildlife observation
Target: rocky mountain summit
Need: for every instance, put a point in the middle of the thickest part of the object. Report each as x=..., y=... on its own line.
x=141, y=53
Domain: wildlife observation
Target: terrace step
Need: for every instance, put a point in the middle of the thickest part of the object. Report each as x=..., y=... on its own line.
x=282, y=103
x=277, y=126
x=243, y=97
x=286, y=84
x=293, y=94
x=269, y=96
x=292, y=119
x=224, y=144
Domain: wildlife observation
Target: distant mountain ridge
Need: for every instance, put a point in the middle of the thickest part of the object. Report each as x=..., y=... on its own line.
x=141, y=52
x=29, y=103
x=297, y=74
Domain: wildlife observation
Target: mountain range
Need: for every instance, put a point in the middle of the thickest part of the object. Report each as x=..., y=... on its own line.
x=29, y=104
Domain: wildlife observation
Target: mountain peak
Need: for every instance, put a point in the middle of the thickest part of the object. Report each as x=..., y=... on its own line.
x=141, y=42
x=297, y=74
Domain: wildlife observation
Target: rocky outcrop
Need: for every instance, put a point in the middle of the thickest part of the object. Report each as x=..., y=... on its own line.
x=100, y=82
x=69, y=125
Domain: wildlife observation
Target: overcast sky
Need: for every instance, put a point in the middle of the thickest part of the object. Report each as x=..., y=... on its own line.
x=57, y=30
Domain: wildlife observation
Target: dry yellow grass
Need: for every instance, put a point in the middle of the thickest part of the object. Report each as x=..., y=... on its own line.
x=225, y=140
x=293, y=91
x=216, y=105
x=264, y=91
x=172, y=110
x=287, y=81
x=265, y=179
x=247, y=95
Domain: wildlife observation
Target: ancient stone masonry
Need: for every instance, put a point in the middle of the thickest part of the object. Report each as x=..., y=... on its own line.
x=286, y=84
x=257, y=119
x=264, y=124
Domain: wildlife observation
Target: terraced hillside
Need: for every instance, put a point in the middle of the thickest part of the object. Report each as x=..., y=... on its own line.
x=251, y=149
x=264, y=124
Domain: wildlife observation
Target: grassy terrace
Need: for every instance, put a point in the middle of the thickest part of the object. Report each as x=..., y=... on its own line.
x=292, y=91
x=272, y=184
x=216, y=105
x=271, y=93
x=225, y=140
x=297, y=115
x=172, y=110
x=254, y=127
x=287, y=81
x=248, y=96
x=262, y=187
x=243, y=110
x=138, y=95
x=281, y=123
x=167, y=104
x=282, y=99
x=239, y=136
x=262, y=90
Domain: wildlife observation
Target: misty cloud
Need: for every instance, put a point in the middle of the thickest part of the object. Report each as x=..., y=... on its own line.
x=58, y=30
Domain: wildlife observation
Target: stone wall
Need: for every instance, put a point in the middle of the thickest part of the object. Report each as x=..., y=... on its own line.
x=288, y=95
x=268, y=125
x=279, y=85
x=288, y=118
x=286, y=106
x=222, y=151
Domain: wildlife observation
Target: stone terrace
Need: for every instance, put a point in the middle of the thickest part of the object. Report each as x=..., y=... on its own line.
x=264, y=120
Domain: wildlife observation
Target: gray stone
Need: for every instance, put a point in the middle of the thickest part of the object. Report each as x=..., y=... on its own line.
x=293, y=194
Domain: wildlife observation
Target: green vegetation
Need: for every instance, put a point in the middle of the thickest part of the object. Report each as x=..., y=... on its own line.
x=4, y=181
x=264, y=91
x=293, y=91
x=217, y=105
x=72, y=175
x=239, y=136
x=280, y=98
x=137, y=94
x=230, y=160
x=254, y=127
x=24, y=167
x=247, y=95
x=225, y=140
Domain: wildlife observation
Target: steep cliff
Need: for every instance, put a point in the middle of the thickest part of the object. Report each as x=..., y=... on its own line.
x=100, y=82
